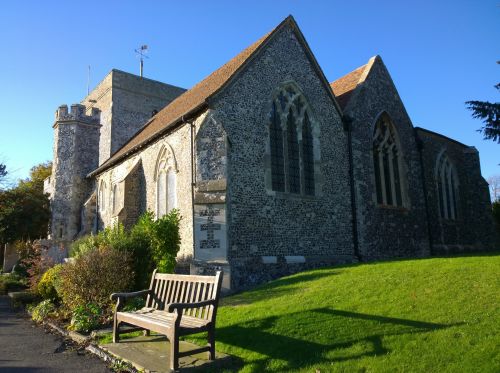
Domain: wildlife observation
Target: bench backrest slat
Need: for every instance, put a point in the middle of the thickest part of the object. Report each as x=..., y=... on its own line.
x=209, y=296
x=172, y=288
x=198, y=296
x=150, y=297
x=163, y=292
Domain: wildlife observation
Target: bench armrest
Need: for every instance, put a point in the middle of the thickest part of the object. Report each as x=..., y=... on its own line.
x=182, y=306
x=129, y=295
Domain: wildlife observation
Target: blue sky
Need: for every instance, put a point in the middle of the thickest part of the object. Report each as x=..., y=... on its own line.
x=439, y=53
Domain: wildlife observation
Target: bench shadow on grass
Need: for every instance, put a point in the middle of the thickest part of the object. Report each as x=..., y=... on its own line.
x=338, y=336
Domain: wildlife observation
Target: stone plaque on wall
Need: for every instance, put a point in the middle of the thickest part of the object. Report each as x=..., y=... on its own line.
x=210, y=232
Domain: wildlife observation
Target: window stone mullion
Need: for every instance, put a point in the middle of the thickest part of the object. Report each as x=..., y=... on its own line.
x=284, y=134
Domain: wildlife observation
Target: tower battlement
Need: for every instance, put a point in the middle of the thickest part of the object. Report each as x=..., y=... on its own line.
x=77, y=113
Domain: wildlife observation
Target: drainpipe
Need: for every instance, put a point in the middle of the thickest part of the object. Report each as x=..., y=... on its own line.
x=420, y=147
x=347, y=121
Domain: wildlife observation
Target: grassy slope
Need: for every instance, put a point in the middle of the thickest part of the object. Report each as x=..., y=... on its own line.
x=431, y=315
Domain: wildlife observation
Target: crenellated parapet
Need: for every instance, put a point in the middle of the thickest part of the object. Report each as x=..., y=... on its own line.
x=77, y=113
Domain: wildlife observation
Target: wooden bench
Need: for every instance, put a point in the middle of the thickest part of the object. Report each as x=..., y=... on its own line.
x=176, y=305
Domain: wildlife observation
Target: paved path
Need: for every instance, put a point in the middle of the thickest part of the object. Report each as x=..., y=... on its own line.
x=28, y=348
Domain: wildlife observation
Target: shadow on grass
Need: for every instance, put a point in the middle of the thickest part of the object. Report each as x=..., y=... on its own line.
x=278, y=288
x=317, y=336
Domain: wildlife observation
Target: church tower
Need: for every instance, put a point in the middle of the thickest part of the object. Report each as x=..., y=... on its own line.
x=87, y=135
x=76, y=138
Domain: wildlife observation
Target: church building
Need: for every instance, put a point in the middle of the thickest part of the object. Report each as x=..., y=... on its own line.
x=273, y=168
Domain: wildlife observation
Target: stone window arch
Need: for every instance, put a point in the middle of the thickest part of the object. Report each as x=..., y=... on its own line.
x=447, y=187
x=102, y=196
x=114, y=198
x=388, y=163
x=293, y=143
x=166, y=181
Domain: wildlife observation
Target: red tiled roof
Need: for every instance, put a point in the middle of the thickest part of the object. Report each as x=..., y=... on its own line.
x=344, y=86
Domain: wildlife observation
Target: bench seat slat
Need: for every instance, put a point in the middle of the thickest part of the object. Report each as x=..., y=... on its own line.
x=166, y=289
x=163, y=320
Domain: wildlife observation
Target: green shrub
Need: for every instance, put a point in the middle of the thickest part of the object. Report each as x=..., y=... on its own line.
x=46, y=286
x=86, y=318
x=11, y=282
x=23, y=298
x=155, y=244
x=134, y=304
x=93, y=276
x=42, y=310
x=151, y=244
x=82, y=245
x=165, y=241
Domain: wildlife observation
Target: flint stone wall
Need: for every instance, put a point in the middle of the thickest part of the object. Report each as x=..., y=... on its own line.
x=76, y=137
x=385, y=231
x=136, y=182
x=261, y=222
x=473, y=230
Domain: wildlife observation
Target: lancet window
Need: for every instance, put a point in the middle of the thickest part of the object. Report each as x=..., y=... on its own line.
x=114, y=198
x=447, y=188
x=291, y=143
x=166, y=175
x=102, y=196
x=387, y=162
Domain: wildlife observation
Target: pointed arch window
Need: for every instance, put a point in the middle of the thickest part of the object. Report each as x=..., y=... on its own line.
x=291, y=141
x=166, y=182
x=387, y=164
x=102, y=196
x=114, y=198
x=447, y=188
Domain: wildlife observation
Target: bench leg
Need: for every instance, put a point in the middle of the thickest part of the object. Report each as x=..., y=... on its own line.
x=116, y=331
x=174, y=352
x=211, y=343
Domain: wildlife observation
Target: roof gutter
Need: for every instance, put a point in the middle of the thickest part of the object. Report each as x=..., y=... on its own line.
x=179, y=122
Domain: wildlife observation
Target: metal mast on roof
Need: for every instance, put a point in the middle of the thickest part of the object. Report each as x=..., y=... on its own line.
x=142, y=52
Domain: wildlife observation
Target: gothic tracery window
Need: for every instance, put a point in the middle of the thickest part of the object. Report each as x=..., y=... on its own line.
x=291, y=143
x=166, y=194
x=387, y=159
x=447, y=187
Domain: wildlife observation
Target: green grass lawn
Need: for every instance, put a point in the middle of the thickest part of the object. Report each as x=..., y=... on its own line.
x=429, y=315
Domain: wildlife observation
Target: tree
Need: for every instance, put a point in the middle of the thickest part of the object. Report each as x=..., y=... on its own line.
x=3, y=173
x=494, y=183
x=37, y=176
x=24, y=209
x=489, y=113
